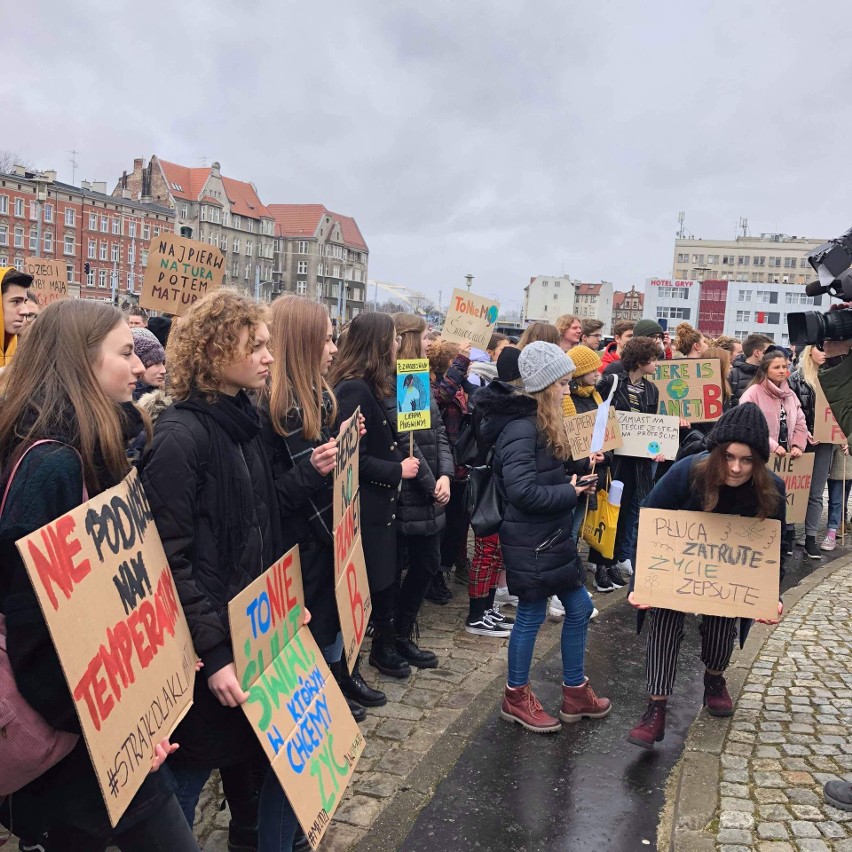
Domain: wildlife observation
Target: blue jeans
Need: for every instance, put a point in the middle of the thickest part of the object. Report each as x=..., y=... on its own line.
x=628, y=525
x=529, y=618
x=276, y=821
x=837, y=501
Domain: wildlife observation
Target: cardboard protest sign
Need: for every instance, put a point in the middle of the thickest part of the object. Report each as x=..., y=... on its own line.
x=50, y=279
x=470, y=319
x=179, y=272
x=712, y=564
x=413, y=395
x=110, y=604
x=648, y=435
x=826, y=429
x=690, y=388
x=294, y=706
x=581, y=427
x=797, y=474
x=351, y=588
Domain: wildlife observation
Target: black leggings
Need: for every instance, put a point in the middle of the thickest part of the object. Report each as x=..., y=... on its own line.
x=454, y=541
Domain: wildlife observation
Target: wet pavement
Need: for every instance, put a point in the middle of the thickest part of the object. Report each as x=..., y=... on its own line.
x=584, y=787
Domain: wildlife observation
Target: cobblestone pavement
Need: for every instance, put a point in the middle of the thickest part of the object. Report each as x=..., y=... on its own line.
x=791, y=732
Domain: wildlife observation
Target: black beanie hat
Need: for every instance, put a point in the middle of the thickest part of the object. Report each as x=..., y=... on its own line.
x=743, y=424
x=507, y=364
x=160, y=328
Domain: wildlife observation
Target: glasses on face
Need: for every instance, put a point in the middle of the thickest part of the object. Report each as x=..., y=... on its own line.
x=658, y=337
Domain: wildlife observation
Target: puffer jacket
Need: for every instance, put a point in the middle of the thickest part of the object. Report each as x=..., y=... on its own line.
x=740, y=377
x=417, y=512
x=538, y=549
x=806, y=395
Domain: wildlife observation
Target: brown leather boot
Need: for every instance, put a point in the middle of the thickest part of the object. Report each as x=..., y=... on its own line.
x=520, y=705
x=580, y=702
x=652, y=728
x=716, y=696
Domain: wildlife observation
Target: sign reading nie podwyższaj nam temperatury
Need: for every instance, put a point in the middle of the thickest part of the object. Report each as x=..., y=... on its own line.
x=50, y=279
x=351, y=588
x=111, y=606
x=413, y=395
x=179, y=273
x=470, y=319
x=295, y=706
x=797, y=474
x=690, y=388
x=712, y=564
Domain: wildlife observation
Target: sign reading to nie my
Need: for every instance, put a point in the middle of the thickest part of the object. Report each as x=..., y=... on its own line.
x=580, y=428
x=648, y=435
x=826, y=428
x=295, y=706
x=470, y=319
x=351, y=588
x=112, y=609
x=179, y=273
x=797, y=474
x=726, y=565
x=50, y=279
x=413, y=395
x=690, y=388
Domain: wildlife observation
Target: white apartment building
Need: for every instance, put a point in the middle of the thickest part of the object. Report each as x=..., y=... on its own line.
x=547, y=297
x=594, y=301
x=674, y=301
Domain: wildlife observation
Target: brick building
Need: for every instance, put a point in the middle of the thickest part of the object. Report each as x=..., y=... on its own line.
x=627, y=305
x=79, y=225
x=222, y=211
x=321, y=255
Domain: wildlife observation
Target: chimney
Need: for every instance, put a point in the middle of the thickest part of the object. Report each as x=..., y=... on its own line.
x=85, y=184
x=138, y=165
x=126, y=193
x=99, y=186
x=216, y=169
x=50, y=174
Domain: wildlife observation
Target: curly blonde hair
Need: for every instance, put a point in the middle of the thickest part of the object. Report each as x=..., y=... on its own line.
x=207, y=339
x=549, y=419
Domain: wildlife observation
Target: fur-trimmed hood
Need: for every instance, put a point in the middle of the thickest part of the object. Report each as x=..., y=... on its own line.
x=498, y=404
x=154, y=404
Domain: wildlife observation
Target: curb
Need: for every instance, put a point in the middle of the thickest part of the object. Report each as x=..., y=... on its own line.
x=389, y=830
x=692, y=793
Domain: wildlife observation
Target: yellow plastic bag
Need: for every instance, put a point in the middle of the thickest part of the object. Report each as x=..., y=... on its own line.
x=600, y=524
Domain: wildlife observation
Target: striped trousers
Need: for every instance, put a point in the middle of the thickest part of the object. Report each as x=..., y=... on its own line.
x=665, y=633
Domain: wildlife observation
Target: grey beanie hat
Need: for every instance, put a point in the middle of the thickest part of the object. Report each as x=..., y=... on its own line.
x=147, y=347
x=541, y=364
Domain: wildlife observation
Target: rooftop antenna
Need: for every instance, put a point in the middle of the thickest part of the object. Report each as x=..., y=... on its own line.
x=743, y=226
x=73, y=160
x=682, y=232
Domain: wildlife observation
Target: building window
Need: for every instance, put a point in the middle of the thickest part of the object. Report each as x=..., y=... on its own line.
x=103, y=251
x=48, y=212
x=102, y=278
x=744, y=296
x=184, y=211
x=248, y=271
x=70, y=217
x=237, y=222
x=104, y=223
x=4, y=236
x=250, y=226
x=48, y=241
x=249, y=248
x=90, y=278
x=743, y=260
x=34, y=211
x=68, y=244
x=69, y=273
x=92, y=253
x=115, y=253
x=683, y=258
x=789, y=262
x=303, y=247
x=93, y=221
x=131, y=255
x=19, y=237
x=34, y=239
x=237, y=245
x=712, y=259
x=131, y=229
x=146, y=231
x=673, y=313
x=4, y=204
x=216, y=214
x=116, y=225
x=743, y=316
x=224, y=243
x=303, y=267
x=758, y=261
x=775, y=262
x=19, y=208
x=301, y=287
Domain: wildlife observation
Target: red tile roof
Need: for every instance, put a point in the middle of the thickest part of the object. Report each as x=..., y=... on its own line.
x=617, y=299
x=209, y=199
x=589, y=290
x=188, y=184
x=303, y=220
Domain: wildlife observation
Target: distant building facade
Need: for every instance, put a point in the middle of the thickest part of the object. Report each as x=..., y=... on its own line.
x=627, y=306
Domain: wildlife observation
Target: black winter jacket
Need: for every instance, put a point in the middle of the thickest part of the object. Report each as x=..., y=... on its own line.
x=740, y=377
x=807, y=397
x=538, y=549
x=417, y=512
x=181, y=485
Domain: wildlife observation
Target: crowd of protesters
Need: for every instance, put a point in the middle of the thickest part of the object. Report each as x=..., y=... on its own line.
x=231, y=413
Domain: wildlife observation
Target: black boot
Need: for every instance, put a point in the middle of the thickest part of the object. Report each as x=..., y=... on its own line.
x=438, y=591
x=357, y=711
x=354, y=687
x=406, y=632
x=383, y=654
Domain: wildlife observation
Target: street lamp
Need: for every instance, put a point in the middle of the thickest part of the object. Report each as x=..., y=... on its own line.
x=469, y=279
x=41, y=182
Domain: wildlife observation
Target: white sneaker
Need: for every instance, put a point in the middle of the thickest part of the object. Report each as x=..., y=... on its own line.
x=555, y=608
x=502, y=596
x=594, y=614
x=625, y=566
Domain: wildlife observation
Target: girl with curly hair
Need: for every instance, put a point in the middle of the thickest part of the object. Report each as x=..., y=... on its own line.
x=213, y=499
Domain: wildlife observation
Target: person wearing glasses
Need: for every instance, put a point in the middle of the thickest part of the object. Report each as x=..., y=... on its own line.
x=591, y=333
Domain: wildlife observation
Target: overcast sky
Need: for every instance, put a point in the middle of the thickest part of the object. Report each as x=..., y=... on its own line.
x=504, y=139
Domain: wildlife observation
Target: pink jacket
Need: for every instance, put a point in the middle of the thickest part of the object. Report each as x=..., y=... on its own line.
x=769, y=398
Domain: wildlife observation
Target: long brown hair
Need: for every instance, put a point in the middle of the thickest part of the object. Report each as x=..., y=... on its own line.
x=366, y=352
x=549, y=420
x=206, y=341
x=298, y=335
x=51, y=390
x=410, y=328
x=541, y=331
x=724, y=357
x=709, y=474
